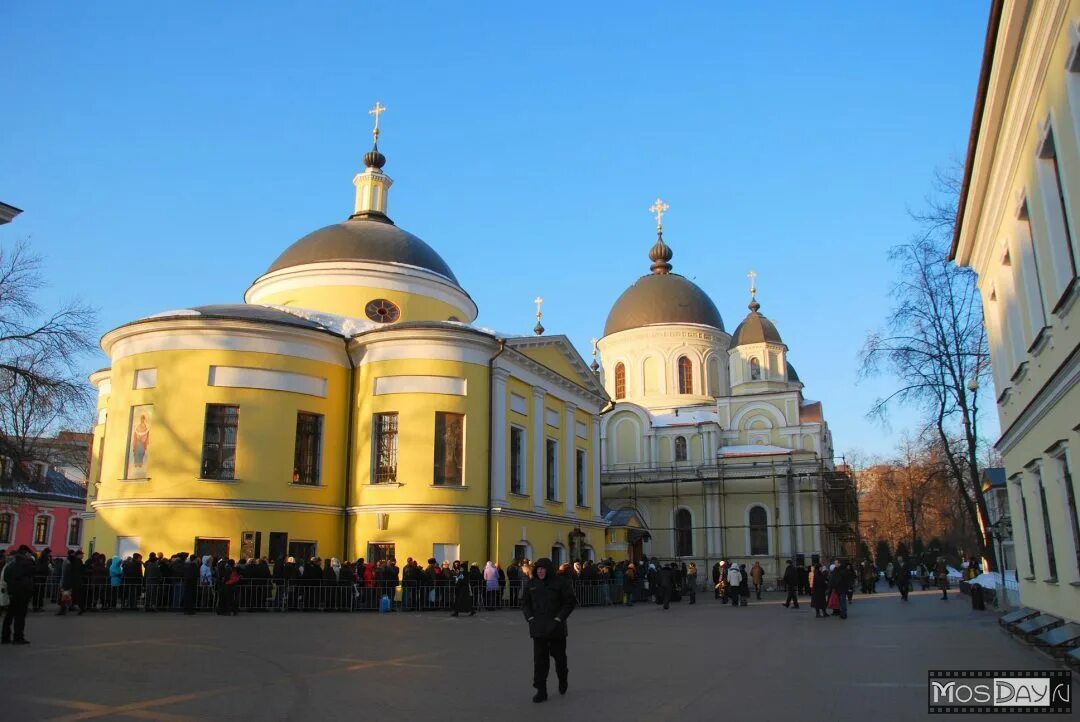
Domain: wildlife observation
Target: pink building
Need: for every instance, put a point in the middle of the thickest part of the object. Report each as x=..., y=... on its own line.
x=41, y=505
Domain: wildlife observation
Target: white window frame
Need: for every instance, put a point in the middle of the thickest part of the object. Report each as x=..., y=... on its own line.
x=14, y=525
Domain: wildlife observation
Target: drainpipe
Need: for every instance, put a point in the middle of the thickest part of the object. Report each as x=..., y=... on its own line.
x=348, y=455
x=491, y=420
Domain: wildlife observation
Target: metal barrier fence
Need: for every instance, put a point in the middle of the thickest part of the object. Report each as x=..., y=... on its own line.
x=263, y=595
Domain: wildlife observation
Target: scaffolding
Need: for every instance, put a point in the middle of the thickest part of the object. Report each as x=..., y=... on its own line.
x=835, y=508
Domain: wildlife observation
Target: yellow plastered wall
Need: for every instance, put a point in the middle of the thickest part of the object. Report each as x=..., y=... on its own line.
x=554, y=359
x=523, y=421
x=173, y=529
x=416, y=434
x=265, y=443
x=352, y=300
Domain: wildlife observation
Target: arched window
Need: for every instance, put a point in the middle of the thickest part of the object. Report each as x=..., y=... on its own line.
x=620, y=381
x=686, y=376
x=680, y=448
x=684, y=540
x=755, y=369
x=759, y=531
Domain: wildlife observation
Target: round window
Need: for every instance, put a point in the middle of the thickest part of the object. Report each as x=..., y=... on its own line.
x=382, y=311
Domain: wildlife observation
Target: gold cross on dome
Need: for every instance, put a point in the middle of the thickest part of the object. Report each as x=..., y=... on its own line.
x=378, y=110
x=753, y=282
x=659, y=208
x=539, y=302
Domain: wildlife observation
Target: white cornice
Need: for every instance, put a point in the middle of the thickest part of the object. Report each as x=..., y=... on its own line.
x=473, y=510
x=392, y=276
x=585, y=375
x=195, y=333
x=219, y=504
x=441, y=343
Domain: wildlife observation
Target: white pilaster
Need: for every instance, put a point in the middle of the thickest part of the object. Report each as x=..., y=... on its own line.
x=498, y=436
x=784, y=526
x=595, y=500
x=570, y=455
x=654, y=447
x=539, y=447
x=817, y=543
x=713, y=502
x=800, y=532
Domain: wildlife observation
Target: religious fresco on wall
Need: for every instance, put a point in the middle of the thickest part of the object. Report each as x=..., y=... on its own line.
x=138, y=460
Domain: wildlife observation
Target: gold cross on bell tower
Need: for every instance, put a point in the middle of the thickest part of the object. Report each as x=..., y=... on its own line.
x=378, y=110
x=659, y=208
x=753, y=283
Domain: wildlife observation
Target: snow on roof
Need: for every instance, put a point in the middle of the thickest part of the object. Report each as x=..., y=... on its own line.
x=344, y=325
x=752, y=450
x=686, y=417
x=174, y=312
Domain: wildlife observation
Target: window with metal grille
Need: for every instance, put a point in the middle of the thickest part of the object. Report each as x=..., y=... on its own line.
x=219, y=441
x=74, y=532
x=580, y=478
x=380, y=552
x=680, y=448
x=684, y=541
x=620, y=381
x=551, y=469
x=759, y=531
x=686, y=376
x=6, y=519
x=42, y=527
x=385, y=440
x=449, y=448
x=308, y=447
x=517, y=460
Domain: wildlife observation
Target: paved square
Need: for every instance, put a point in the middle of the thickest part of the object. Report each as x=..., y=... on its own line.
x=702, y=662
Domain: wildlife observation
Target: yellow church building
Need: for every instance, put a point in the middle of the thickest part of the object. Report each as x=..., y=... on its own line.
x=348, y=408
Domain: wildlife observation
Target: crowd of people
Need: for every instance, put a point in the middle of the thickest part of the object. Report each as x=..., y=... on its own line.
x=192, y=583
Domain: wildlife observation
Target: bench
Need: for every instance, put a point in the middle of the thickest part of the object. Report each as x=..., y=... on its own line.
x=1020, y=615
x=1038, y=624
x=1062, y=637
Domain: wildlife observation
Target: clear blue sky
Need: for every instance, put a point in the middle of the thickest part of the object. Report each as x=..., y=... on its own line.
x=165, y=154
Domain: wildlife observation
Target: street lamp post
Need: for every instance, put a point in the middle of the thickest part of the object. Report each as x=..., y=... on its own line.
x=1001, y=530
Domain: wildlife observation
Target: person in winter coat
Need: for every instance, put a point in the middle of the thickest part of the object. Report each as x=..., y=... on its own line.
x=116, y=580
x=666, y=581
x=491, y=585
x=630, y=584
x=690, y=584
x=791, y=581
x=41, y=575
x=18, y=575
x=73, y=582
x=152, y=571
x=941, y=576
x=189, y=581
x=717, y=576
x=463, y=598
x=744, y=586
x=547, y=602
x=840, y=580
x=757, y=574
x=903, y=578
x=734, y=581
x=819, y=592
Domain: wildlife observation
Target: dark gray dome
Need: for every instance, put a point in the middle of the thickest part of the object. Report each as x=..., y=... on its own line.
x=755, y=328
x=791, y=374
x=662, y=298
x=372, y=237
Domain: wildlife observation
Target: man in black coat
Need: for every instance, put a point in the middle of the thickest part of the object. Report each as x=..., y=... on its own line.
x=791, y=581
x=547, y=602
x=152, y=570
x=41, y=574
x=19, y=575
x=666, y=580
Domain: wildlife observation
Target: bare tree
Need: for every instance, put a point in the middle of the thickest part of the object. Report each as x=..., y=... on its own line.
x=41, y=384
x=935, y=345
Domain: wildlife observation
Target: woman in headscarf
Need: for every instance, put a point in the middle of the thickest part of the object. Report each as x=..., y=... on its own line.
x=116, y=579
x=463, y=599
x=690, y=585
x=819, y=591
x=491, y=585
